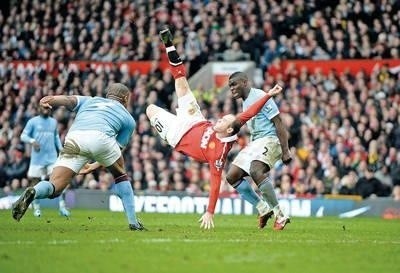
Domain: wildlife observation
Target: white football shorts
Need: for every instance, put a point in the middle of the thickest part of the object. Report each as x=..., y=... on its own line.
x=267, y=149
x=38, y=171
x=172, y=127
x=81, y=147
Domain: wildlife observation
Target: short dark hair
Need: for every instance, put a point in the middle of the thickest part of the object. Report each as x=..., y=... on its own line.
x=238, y=75
x=236, y=125
x=117, y=91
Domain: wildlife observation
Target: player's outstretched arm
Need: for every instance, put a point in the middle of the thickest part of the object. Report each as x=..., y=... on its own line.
x=258, y=105
x=54, y=101
x=207, y=219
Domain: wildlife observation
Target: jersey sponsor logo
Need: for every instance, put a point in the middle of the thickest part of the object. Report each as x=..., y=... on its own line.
x=206, y=138
x=211, y=145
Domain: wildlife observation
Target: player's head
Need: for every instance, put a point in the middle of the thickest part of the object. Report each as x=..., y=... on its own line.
x=238, y=84
x=44, y=111
x=227, y=125
x=119, y=92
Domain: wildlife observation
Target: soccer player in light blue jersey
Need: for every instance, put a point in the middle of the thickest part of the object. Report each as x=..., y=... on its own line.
x=268, y=144
x=42, y=133
x=102, y=127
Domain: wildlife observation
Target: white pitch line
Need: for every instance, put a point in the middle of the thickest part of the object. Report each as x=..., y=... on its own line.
x=17, y=242
x=170, y=240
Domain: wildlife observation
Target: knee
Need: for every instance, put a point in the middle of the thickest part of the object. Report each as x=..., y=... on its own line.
x=258, y=171
x=60, y=181
x=232, y=177
x=257, y=174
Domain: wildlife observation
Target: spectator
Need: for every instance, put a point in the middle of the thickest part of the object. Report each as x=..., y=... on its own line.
x=348, y=185
x=382, y=174
x=3, y=171
x=235, y=53
x=396, y=193
x=369, y=186
x=19, y=164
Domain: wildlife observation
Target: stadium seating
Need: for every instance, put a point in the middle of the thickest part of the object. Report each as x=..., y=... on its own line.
x=341, y=124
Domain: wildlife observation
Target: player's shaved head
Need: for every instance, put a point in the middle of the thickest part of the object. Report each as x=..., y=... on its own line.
x=238, y=75
x=119, y=92
x=239, y=85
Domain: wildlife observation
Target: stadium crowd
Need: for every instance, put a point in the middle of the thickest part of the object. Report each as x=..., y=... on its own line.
x=344, y=129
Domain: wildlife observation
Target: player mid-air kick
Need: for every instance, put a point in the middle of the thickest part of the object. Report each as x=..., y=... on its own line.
x=190, y=133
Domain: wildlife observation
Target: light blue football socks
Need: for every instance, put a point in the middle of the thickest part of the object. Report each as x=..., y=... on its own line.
x=124, y=190
x=247, y=192
x=43, y=189
x=268, y=192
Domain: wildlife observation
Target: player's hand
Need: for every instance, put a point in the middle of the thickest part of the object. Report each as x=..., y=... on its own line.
x=286, y=157
x=207, y=221
x=45, y=102
x=88, y=168
x=36, y=146
x=275, y=90
x=85, y=169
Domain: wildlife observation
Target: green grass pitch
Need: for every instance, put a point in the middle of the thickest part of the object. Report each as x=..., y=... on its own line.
x=99, y=241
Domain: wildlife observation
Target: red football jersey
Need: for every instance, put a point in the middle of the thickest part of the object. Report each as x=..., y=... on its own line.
x=202, y=144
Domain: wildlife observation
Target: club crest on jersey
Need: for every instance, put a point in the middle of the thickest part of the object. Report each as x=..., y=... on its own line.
x=193, y=108
x=206, y=137
x=219, y=164
x=211, y=145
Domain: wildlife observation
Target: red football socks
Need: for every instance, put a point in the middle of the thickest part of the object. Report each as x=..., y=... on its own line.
x=178, y=71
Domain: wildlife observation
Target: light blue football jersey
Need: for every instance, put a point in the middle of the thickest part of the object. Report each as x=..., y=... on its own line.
x=105, y=115
x=45, y=132
x=261, y=125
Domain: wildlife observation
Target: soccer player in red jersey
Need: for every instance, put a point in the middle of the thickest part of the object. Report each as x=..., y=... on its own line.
x=190, y=133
